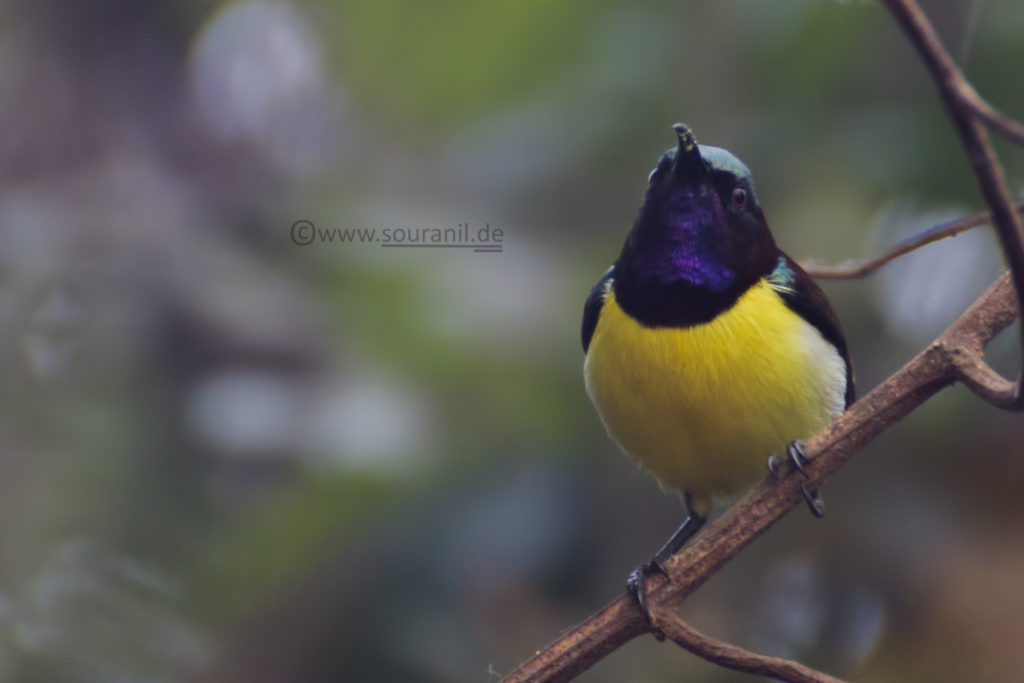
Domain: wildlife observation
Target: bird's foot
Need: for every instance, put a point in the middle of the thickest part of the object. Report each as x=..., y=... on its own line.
x=796, y=456
x=636, y=585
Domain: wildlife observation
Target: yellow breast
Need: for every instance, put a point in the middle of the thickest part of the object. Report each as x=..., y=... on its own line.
x=702, y=407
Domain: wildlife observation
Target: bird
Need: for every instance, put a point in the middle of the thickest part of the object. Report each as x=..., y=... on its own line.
x=707, y=348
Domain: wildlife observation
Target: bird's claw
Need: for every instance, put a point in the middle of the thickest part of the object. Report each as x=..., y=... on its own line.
x=814, y=501
x=797, y=457
x=636, y=586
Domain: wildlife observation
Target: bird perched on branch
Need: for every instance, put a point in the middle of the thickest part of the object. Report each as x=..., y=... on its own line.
x=707, y=347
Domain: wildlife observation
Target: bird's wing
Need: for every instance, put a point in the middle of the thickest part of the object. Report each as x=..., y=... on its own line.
x=592, y=309
x=806, y=299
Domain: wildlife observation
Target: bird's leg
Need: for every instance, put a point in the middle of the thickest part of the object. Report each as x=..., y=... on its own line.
x=797, y=457
x=636, y=582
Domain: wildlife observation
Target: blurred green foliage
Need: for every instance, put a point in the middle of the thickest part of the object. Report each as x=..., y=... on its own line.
x=443, y=64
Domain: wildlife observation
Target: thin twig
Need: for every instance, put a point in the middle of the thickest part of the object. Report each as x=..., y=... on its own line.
x=955, y=91
x=994, y=119
x=858, y=268
x=946, y=73
x=724, y=537
x=732, y=657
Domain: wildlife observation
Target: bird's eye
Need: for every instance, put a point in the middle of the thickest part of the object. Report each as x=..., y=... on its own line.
x=739, y=198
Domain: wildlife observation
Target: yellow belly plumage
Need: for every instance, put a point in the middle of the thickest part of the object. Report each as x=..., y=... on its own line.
x=702, y=407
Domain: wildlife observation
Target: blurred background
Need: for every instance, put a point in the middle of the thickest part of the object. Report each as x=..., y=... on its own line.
x=225, y=456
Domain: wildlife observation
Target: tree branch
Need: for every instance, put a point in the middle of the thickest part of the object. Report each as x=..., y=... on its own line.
x=931, y=370
x=733, y=657
x=996, y=120
x=859, y=268
x=956, y=94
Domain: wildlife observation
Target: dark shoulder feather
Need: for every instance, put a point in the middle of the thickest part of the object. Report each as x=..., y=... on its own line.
x=592, y=309
x=806, y=299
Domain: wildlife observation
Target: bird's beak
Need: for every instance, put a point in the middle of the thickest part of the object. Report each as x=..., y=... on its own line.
x=688, y=165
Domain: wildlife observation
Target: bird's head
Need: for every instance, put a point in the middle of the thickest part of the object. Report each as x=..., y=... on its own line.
x=700, y=224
